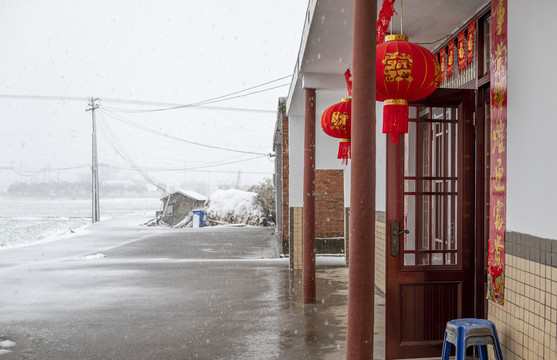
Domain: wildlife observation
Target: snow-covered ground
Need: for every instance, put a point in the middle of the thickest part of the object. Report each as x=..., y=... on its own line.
x=24, y=221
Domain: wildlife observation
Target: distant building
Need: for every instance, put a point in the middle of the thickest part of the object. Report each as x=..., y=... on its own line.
x=178, y=205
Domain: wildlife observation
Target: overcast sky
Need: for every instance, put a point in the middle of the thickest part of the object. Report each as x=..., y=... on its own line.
x=169, y=52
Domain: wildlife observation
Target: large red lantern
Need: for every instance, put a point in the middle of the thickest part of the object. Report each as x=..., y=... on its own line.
x=335, y=122
x=404, y=72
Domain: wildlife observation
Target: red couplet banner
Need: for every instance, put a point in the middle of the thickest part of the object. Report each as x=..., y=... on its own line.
x=470, y=41
x=442, y=63
x=450, y=58
x=498, y=176
x=461, y=51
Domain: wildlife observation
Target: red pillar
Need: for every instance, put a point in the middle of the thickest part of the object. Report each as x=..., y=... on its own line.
x=308, y=259
x=361, y=279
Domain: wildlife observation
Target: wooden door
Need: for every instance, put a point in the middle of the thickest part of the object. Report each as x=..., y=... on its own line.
x=430, y=193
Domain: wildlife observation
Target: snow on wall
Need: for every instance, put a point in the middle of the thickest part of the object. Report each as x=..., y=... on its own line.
x=532, y=125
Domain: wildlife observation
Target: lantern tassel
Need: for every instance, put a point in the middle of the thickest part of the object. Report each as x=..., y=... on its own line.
x=344, y=151
x=348, y=77
x=395, y=118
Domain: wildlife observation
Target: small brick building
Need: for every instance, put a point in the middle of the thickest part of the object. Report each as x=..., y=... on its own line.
x=178, y=205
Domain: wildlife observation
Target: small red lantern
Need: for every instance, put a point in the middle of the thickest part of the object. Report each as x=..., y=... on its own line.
x=335, y=122
x=404, y=72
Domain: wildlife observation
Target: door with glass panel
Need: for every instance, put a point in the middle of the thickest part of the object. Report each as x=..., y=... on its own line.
x=430, y=224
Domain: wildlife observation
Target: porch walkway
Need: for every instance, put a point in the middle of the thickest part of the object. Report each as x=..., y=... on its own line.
x=332, y=300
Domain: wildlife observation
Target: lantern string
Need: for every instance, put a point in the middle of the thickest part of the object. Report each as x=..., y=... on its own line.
x=401, y=16
x=391, y=26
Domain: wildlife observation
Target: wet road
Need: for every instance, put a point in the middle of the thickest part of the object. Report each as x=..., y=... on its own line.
x=129, y=292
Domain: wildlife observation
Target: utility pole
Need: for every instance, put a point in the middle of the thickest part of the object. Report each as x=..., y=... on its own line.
x=96, y=214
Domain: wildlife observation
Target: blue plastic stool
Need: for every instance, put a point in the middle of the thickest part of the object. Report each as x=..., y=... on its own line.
x=471, y=332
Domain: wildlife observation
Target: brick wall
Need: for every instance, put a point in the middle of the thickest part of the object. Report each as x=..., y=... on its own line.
x=329, y=203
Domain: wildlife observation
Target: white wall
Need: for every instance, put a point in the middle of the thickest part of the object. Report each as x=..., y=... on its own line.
x=532, y=119
x=326, y=147
x=327, y=150
x=380, y=162
x=296, y=160
x=380, y=165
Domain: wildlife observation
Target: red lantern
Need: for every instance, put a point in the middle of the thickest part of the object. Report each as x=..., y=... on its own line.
x=404, y=72
x=335, y=122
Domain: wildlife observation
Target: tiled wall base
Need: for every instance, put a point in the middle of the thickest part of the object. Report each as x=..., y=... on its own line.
x=296, y=234
x=527, y=322
x=380, y=250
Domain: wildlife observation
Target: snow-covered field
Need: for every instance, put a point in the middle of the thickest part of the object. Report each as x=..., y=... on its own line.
x=24, y=221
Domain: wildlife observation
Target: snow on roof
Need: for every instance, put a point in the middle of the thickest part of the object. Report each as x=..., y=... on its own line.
x=191, y=194
x=194, y=195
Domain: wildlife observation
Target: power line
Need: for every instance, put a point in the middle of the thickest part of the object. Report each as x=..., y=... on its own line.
x=127, y=101
x=42, y=170
x=21, y=171
x=121, y=151
x=250, y=88
x=116, y=167
x=18, y=171
x=197, y=107
x=215, y=99
x=152, y=131
x=44, y=97
x=225, y=163
x=199, y=104
x=168, y=106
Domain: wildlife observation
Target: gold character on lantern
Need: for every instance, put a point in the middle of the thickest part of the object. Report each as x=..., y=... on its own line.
x=437, y=80
x=338, y=120
x=398, y=67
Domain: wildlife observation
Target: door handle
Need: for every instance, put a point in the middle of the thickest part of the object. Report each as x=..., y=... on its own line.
x=395, y=237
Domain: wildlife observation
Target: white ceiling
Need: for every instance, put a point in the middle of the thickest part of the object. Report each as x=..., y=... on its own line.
x=326, y=50
x=426, y=22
